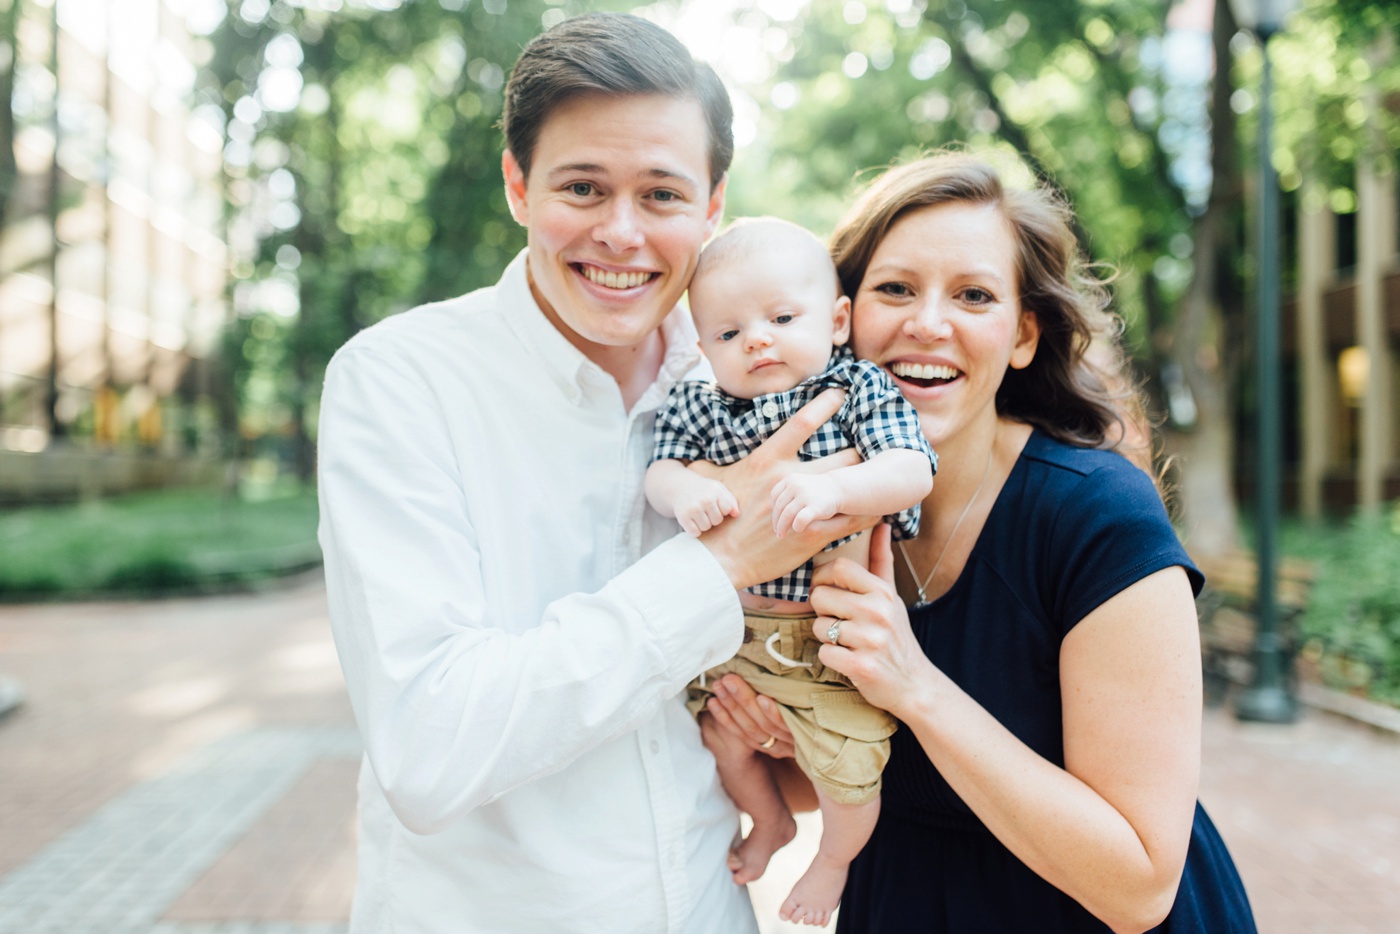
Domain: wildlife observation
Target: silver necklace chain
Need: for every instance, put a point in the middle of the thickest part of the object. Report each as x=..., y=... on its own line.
x=914, y=575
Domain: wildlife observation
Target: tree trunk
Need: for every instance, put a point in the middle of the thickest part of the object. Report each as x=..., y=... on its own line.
x=1203, y=455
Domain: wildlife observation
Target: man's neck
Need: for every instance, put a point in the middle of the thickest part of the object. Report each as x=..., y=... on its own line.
x=634, y=368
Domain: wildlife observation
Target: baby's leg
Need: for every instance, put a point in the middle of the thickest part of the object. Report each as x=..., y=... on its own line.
x=845, y=829
x=748, y=780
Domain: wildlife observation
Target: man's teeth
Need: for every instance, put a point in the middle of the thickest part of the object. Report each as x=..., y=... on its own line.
x=615, y=280
x=923, y=371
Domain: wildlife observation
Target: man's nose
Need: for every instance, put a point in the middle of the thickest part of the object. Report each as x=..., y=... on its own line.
x=620, y=228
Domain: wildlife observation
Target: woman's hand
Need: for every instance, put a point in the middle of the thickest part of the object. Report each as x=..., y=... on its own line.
x=745, y=545
x=876, y=647
x=745, y=714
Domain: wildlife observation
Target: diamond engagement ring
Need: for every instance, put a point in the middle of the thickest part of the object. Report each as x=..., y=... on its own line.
x=833, y=635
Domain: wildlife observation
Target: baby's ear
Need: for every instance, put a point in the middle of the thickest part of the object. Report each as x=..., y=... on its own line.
x=841, y=321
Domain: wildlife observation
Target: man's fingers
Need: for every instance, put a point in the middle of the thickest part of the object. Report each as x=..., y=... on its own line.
x=787, y=440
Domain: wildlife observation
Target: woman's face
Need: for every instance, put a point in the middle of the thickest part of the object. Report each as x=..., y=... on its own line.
x=939, y=308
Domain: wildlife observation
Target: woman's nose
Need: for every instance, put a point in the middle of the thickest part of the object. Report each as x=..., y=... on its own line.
x=928, y=322
x=620, y=229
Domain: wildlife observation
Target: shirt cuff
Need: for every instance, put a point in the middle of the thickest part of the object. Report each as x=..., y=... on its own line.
x=683, y=594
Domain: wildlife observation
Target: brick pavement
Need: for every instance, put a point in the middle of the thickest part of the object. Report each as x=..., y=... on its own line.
x=187, y=767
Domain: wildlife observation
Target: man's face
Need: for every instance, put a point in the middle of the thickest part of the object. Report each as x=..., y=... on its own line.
x=617, y=205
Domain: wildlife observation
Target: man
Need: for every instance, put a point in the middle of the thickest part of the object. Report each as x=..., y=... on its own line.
x=514, y=625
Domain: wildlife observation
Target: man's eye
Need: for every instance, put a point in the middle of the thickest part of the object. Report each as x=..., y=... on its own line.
x=581, y=189
x=782, y=319
x=729, y=335
x=664, y=195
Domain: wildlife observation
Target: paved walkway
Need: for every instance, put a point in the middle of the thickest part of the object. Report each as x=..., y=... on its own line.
x=187, y=767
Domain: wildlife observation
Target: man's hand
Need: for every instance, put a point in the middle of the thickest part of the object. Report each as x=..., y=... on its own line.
x=801, y=499
x=704, y=505
x=746, y=546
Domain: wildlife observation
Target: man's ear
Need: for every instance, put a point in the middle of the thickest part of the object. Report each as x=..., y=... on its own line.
x=714, y=211
x=515, y=188
x=1027, y=339
x=841, y=321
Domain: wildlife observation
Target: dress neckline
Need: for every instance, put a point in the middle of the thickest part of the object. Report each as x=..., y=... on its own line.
x=1016, y=468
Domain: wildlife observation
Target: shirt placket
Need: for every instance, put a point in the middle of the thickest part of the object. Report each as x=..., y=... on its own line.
x=652, y=739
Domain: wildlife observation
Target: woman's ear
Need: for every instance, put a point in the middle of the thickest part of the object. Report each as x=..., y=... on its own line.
x=841, y=321
x=1027, y=339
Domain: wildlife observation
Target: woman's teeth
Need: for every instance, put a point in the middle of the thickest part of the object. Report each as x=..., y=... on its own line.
x=615, y=280
x=924, y=371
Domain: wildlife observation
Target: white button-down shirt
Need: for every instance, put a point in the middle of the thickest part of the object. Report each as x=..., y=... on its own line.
x=516, y=626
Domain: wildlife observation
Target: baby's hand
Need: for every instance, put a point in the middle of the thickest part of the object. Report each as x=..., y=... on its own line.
x=704, y=506
x=803, y=498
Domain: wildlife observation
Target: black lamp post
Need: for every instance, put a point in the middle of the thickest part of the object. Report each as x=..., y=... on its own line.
x=1268, y=698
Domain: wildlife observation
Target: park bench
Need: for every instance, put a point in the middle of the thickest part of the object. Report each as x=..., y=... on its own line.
x=1226, y=608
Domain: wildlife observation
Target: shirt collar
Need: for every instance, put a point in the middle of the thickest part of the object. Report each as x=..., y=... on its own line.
x=565, y=363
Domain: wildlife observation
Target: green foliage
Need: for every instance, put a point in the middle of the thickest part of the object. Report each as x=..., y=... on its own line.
x=150, y=543
x=1352, y=624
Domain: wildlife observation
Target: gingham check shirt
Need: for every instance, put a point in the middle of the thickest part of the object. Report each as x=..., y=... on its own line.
x=701, y=422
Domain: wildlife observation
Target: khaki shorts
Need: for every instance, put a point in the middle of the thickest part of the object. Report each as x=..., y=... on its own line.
x=842, y=742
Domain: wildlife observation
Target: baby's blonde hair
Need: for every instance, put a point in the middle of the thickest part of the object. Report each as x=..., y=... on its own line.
x=746, y=234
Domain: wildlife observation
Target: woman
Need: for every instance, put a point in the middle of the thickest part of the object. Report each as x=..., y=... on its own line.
x=1038, y=639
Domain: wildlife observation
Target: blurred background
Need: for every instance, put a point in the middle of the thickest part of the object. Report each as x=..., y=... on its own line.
x=201, y=200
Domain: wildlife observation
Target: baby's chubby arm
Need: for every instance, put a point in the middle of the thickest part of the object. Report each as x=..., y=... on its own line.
x=889, y=482
x=697, y=502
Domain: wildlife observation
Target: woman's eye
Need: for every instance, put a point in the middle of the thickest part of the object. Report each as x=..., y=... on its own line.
x=896, y=289
x=729, y=335
x=978, y=296
x=581, y=189
x=782, y=319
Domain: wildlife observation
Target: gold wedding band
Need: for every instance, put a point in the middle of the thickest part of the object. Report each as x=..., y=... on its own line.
x=769, y=743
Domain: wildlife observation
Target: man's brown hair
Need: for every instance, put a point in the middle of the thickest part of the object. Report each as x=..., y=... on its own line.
x=617, y=54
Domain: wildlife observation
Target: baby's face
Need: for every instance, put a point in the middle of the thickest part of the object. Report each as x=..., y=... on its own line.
x=768, y=321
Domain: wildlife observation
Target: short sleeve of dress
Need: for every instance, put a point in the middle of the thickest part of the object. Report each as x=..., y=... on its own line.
x=1111, y=532
x=685, y=423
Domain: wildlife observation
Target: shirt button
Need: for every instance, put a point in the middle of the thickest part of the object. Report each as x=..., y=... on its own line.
x=770, y=409
x=655, y=747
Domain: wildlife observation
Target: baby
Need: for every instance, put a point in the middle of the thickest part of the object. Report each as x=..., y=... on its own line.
x=773, y=324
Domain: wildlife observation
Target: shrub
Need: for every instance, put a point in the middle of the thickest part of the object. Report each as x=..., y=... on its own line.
x=1352, y=625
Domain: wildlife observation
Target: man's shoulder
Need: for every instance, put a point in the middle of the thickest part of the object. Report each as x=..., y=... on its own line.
x=459, y=326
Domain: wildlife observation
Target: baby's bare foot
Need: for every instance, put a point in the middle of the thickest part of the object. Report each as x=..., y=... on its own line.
x=816, y=894
x=750, y=858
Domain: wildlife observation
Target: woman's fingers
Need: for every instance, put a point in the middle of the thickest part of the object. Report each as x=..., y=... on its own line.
x=882, y=553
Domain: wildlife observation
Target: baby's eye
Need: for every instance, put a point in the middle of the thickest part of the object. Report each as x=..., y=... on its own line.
x=581, y=189
x=782, y=319
x=729, y=335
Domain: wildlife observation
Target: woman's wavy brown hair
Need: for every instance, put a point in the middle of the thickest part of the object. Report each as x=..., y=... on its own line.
x=1080, y=397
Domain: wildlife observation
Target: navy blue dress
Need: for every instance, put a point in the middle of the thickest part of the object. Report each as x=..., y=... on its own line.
x=1071, y=528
